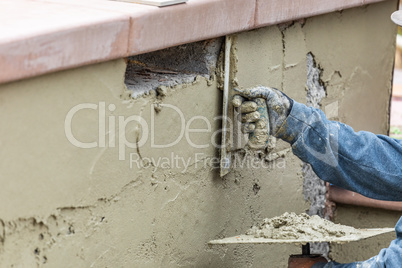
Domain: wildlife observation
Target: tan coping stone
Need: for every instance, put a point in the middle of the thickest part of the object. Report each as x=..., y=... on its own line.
x=42, y=36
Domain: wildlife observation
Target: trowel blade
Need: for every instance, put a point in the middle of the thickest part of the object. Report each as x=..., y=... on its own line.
x=225, y=153
x=250, y=239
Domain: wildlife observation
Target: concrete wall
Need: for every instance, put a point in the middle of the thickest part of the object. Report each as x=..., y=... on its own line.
x=61, y=205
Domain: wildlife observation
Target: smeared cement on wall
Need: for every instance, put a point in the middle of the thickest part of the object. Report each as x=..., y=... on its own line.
x=60, y=204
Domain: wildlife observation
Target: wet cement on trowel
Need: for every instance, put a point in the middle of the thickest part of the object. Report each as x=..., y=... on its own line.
x=303, y=227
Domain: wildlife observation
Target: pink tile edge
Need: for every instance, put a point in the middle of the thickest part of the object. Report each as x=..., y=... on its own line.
x=56, y=51
x=280, y=11
x=127, y=34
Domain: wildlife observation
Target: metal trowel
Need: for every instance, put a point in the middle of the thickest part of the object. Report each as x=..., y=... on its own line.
x=305, y=259
x=232, y=137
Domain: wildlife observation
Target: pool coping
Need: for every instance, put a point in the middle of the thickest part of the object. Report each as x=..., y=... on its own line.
x=43, y=36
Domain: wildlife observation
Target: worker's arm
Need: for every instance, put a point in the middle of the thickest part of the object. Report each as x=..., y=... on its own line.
x=361, y=162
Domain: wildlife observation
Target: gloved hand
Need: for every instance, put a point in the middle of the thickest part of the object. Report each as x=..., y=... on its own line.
x=279, y=106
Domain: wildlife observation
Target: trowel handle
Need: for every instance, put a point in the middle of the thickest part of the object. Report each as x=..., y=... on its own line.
x=258, y=139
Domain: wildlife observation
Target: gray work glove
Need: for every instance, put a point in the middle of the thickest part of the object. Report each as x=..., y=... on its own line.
x=278, y=104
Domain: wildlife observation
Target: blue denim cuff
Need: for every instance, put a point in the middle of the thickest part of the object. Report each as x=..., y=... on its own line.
x=294, y=124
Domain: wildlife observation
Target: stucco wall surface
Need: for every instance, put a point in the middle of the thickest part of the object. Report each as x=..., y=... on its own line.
x=128, y=202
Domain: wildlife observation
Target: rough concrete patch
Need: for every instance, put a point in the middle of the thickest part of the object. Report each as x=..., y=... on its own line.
x=320, y=248
x=315, y=89
x=141, y=81
x=313, y=187
x=147, y=249
x=172, y=66
x=244, y=255
x=27, y=242
x=314, y=191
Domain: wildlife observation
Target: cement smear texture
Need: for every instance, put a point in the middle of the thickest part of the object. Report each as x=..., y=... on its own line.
x=125, y=205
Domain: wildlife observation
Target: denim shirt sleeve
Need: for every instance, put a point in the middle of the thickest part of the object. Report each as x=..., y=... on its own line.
x=361, y=162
